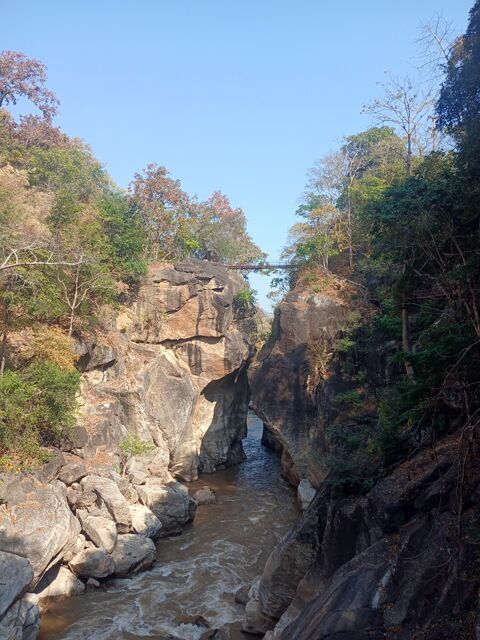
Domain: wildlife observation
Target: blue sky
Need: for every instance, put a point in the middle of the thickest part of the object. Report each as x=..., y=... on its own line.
x=236, y=95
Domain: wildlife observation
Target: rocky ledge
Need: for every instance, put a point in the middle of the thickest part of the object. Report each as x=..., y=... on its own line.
x=169, y=368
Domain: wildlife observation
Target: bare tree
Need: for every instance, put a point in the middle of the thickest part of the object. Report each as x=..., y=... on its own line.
x=30, y=256
x=406, y=105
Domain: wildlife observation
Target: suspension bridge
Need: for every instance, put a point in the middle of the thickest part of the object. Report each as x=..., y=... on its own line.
x=261, y=267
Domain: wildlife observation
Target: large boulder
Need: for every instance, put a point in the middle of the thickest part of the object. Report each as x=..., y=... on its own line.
x=169, y=502
x=95, y=563
x=133, y=553
x=144, y=521
x=59, y=582
x=16, y=573
x=109, y=497
x=22, y=620
x=36, y=522
x=101, y=531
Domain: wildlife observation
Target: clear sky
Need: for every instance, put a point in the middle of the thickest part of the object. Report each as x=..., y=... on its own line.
x=236, y=95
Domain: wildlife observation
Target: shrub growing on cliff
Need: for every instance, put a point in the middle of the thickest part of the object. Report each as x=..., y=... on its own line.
x=132, y=445
x=37, y=408
x=244, y=299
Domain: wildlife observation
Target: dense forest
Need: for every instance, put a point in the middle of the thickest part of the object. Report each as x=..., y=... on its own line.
x=392, y=217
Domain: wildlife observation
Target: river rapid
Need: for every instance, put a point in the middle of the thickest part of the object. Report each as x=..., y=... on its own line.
x=198, y=572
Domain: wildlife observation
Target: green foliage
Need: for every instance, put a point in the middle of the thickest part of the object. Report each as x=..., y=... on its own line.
x=349, y=399
x=132, y=445
x=245, y=299
x=37, y=406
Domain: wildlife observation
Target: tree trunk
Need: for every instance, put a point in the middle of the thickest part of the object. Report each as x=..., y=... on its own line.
x=406, y=342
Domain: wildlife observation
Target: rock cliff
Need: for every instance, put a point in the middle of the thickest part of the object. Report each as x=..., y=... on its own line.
x=400, y=561
x=284, y=380
x=170, y=368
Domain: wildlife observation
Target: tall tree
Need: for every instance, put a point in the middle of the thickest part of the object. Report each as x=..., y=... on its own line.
x=22, y=77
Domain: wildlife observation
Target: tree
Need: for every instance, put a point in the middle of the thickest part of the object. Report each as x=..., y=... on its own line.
x=406, y=105
x=458, y=107
x=22, y=77
x=163, y=207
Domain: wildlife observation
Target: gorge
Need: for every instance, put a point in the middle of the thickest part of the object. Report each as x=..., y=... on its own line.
x=178, y=367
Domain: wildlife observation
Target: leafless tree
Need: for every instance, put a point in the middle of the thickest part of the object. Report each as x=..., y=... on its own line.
x=406, y=105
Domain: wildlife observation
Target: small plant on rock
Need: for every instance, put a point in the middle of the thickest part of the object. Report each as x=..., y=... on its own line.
x=132, y=446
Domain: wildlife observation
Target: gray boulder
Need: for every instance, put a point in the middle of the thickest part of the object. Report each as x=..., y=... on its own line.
x=36, y=522
x=205, y=496
x=59, y=582
x=109, y=496
x=101, y=531
x=169, y=502
x=22, y=620
x=16, y=573
x=73, y=471
x=132, y=554
x=144, y=521
x=95, y=563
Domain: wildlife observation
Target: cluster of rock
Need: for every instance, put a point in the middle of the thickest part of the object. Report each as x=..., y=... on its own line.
x=63, y=529
x=170, y=370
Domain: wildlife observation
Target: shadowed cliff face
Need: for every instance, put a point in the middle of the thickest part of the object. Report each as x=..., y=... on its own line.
x=285, y=383
x=171, y=369
x=396, y=563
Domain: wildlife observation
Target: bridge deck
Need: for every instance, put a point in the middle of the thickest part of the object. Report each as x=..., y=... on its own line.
x=258, y=267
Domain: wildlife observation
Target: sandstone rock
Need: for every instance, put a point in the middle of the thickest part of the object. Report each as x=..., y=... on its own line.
x=305, y=494
x=101, y=531
x=178, y=378
x=16, y=573
x=95, y=563
x=59, y=582
x=22, y=620
x=144, y=521
x=36, y=522
x=73, y=471
x=108, y=495
x=130, y=494
x=205, y=496
x=75, y=548
x=170, y=503
x=133, y=553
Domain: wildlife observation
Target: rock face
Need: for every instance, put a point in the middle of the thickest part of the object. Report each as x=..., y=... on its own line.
x=284, y=381
x=378, y=566
x=169, y=368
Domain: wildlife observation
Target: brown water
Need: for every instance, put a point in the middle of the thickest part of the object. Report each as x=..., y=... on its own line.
x=199, y=571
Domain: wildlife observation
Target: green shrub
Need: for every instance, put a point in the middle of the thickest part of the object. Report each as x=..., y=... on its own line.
x=244, y=299
x=132, y=446
x=37, y=407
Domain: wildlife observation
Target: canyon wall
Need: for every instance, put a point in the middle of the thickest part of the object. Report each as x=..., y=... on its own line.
x=170, y=368
x=399, y=561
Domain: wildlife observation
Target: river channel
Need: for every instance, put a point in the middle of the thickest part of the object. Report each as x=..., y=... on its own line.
x=199, y=571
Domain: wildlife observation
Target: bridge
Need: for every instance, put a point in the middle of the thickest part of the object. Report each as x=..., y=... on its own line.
x=261, y=267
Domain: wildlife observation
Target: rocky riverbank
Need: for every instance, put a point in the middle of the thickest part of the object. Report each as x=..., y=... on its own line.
x=170, y=369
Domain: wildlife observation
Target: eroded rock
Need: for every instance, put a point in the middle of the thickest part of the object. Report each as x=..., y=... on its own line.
x=133, y=553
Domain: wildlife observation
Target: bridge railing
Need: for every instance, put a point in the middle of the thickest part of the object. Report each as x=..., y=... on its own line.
x=259, y=267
